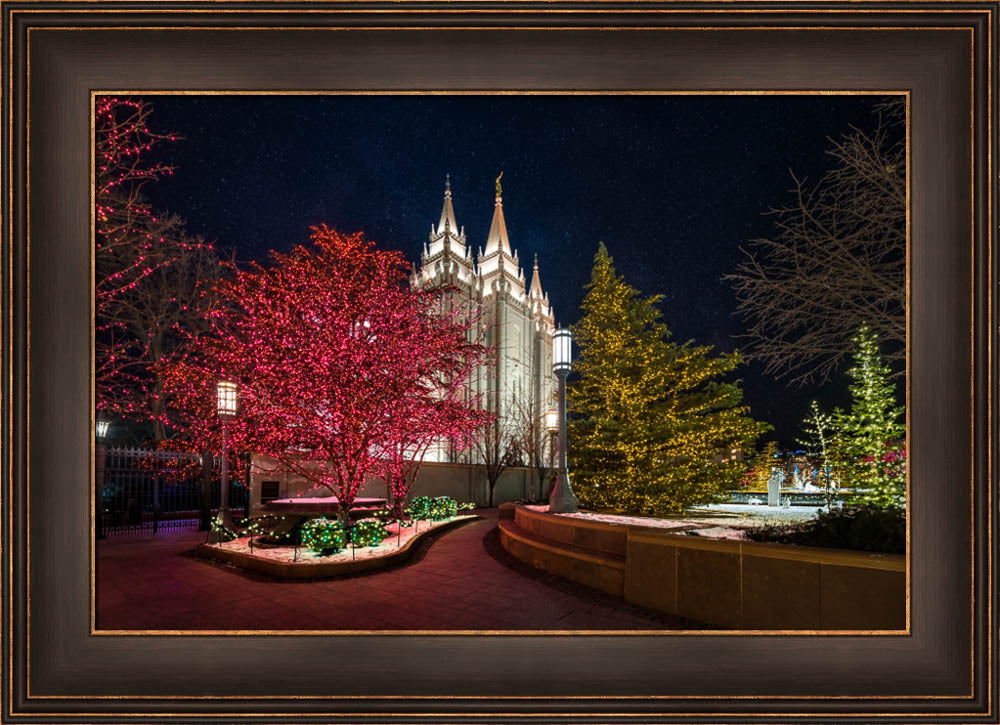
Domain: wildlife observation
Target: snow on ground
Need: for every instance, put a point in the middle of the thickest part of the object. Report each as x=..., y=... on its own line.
x=745, y=514
x=619, y=519
x=388, y=546
x=717, y=521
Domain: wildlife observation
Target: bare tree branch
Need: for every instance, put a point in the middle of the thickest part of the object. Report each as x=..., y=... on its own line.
x=836, y=260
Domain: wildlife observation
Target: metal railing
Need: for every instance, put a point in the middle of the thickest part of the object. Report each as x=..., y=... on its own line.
x=793, y=498
x=146, y=491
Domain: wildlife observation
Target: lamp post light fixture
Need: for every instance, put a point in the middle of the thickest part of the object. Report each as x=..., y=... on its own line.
x=225, y=407
x=100, y=455
x=562, y=500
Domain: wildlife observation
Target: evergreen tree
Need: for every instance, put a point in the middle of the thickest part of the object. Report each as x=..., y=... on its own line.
x=871, y=431
x=653, y=425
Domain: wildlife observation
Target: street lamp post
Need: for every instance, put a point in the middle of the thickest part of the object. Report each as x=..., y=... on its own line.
x=562, y=500
x=100, y=454
x=225, y=406
x=552, y=427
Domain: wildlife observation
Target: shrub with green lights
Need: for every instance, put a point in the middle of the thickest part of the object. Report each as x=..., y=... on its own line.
x=324, y=536
x=220, y=532
x=420, y=507
x=368, y=532
x=443, y=507
x=271, y=528
x=393, y=515
x=436, y=509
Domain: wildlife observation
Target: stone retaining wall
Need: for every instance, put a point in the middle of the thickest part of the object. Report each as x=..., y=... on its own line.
x=462, y=481
x=733, y=584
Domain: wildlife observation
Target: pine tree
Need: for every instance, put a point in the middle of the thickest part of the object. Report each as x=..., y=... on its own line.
x=653, y=426
x=871, y=431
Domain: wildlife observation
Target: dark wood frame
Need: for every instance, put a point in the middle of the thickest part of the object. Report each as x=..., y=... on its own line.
x=941, y=53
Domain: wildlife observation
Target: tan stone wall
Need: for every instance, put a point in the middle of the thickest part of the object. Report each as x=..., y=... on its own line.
x=595, y=569
x=463, y=482
x=590, y=535
x=734, y=584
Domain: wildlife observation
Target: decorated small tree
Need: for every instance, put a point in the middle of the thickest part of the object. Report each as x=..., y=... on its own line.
x=758, y=470
x=819, y=429
x=871, y=431
x=653, y=421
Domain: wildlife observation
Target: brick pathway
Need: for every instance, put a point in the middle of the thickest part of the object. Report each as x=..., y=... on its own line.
x=461, y=579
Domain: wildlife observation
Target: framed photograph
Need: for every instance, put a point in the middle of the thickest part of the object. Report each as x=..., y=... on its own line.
x=108, y=616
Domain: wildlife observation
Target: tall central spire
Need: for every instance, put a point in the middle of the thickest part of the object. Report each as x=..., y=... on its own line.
x=497, y=238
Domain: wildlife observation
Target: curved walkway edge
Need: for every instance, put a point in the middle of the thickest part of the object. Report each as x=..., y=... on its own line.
x=463, y=581
x=302, y=570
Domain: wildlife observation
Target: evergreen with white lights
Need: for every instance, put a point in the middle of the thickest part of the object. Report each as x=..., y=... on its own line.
x=819, y=429
x=871, y=432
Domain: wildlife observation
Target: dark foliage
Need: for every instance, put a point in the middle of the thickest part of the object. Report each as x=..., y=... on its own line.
x=862, y=528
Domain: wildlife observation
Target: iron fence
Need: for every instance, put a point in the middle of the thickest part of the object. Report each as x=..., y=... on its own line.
x=793, y=498
x=146, y=491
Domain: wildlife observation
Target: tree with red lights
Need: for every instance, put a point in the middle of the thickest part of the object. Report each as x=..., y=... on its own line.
x=128, y=231
x=340, y=365
x=153, y=281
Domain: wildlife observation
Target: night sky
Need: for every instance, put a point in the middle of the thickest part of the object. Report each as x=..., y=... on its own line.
x=673, y=185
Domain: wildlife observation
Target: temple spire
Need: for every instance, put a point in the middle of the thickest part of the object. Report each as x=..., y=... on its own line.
x=536, y=283
x=447, y=221
x=497, y=238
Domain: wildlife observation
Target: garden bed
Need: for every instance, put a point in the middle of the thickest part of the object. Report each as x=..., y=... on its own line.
x=288, y=563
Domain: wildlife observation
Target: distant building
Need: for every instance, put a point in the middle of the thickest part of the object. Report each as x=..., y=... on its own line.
x=516, y=320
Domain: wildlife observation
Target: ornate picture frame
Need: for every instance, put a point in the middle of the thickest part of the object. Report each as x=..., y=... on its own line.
x=57, y=55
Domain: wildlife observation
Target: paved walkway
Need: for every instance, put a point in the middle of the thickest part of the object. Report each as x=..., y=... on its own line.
x=461, y=579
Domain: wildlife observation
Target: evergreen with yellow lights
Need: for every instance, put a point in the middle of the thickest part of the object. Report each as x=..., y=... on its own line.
x=653, y=421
